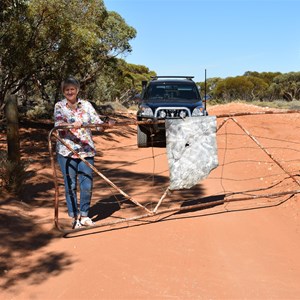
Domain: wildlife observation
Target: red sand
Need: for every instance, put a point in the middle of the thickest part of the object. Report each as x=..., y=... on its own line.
x=239, y=250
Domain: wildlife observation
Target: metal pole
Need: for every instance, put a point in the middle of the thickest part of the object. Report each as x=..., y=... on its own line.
x=184, y=208
x=205, y=90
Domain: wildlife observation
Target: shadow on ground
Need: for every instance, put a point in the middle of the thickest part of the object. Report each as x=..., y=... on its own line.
x=23, y=254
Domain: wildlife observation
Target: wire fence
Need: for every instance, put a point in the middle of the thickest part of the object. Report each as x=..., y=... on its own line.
x=258, y=167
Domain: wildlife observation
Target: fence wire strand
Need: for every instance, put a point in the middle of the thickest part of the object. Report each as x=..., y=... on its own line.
x=166, y=199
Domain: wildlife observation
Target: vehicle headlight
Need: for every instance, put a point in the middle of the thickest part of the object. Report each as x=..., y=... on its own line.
x=198, y=111
x=146, y=111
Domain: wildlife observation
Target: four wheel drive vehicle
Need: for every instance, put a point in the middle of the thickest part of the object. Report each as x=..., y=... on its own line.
x=166, y=97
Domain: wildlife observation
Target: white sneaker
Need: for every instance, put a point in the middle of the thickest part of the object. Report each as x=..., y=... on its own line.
x=76, y=224
x=86, y=221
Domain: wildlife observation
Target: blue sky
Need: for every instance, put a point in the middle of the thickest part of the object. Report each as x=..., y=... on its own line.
x=228, y=38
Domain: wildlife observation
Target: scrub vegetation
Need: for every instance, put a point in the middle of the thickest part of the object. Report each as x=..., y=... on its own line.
x=42, y=42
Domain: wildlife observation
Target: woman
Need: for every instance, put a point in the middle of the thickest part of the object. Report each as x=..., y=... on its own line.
x=75, y=111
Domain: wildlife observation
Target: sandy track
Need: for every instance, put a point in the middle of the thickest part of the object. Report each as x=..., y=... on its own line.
x=239, y=250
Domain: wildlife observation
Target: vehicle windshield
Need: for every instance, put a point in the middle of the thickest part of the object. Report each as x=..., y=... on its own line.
x=172, y=92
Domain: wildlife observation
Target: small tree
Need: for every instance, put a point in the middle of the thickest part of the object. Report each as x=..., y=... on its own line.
x=44, y=41
x=287, y=86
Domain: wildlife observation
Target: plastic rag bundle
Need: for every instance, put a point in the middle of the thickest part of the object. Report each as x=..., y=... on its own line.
x=191, y=149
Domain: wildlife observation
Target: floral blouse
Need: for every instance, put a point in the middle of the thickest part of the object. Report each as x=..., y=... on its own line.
x=79, y=139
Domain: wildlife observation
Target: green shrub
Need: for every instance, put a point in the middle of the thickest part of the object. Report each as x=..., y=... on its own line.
x=40, y=110
x=295, y=104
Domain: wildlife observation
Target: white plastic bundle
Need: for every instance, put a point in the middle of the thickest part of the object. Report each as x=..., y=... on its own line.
x=191, y=149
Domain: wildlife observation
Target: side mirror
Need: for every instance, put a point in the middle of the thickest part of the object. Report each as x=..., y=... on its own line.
x=206, y=97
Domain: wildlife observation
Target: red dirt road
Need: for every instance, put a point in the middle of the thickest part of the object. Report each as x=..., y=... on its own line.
x=236, y=250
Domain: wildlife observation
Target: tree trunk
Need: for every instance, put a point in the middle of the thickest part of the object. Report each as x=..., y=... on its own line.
x=13, y=140
x=288, y=96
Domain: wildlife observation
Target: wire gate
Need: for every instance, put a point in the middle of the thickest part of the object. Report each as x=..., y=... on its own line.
x=221, y=198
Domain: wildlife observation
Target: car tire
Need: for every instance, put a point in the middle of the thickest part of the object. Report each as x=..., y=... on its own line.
x=142, y=138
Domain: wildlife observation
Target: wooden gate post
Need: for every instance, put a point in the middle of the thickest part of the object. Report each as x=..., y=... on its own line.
x=12, y=120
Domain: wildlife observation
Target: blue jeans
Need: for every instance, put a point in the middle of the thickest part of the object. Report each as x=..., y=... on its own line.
x=71, y=169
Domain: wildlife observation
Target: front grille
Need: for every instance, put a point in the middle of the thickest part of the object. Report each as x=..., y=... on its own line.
x=172, y=112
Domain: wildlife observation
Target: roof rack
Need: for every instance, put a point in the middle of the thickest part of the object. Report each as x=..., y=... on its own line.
x=187, y=77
